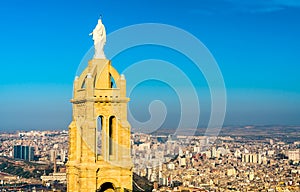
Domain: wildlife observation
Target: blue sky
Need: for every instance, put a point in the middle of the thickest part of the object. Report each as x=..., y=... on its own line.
x=256, y=44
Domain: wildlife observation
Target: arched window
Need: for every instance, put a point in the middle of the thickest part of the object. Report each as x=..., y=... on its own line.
x=83, y=84
x=99, y=135
x=112, y=82
x=112, y=129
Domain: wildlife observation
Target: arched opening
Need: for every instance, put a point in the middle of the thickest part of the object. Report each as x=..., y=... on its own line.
x=83, y=84
x=112, y=129
x=112, y=82
x=99, y=134
x=106, y=187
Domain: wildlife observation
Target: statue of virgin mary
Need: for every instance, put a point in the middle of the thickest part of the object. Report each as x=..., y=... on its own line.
x=99, y=37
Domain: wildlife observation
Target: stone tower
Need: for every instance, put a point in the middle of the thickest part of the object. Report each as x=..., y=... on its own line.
x=99, y=134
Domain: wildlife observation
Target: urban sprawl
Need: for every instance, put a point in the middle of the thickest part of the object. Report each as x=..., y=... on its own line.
x=35, y=161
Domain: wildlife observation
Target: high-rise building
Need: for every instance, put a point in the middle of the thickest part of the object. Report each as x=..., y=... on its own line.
x=24, y=152
x=252, y=158
x=53, y=155
x=294, y=155
x=213, y=152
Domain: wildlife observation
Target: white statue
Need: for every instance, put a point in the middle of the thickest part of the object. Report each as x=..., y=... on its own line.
x=99, y=37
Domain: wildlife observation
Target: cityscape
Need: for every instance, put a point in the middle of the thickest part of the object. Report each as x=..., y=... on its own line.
x=168, y=162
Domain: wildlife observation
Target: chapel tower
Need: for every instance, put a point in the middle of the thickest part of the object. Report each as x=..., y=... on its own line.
x=99, y=134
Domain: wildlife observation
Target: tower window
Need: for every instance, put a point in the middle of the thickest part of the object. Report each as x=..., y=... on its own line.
x=112, y=82
x=112, y=129
x=99, y=135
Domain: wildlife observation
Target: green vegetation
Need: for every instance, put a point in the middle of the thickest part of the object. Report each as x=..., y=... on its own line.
x=34, y=172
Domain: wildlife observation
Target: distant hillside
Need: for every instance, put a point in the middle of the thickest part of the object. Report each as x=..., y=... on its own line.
x=141, y=184
x=22, y=168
